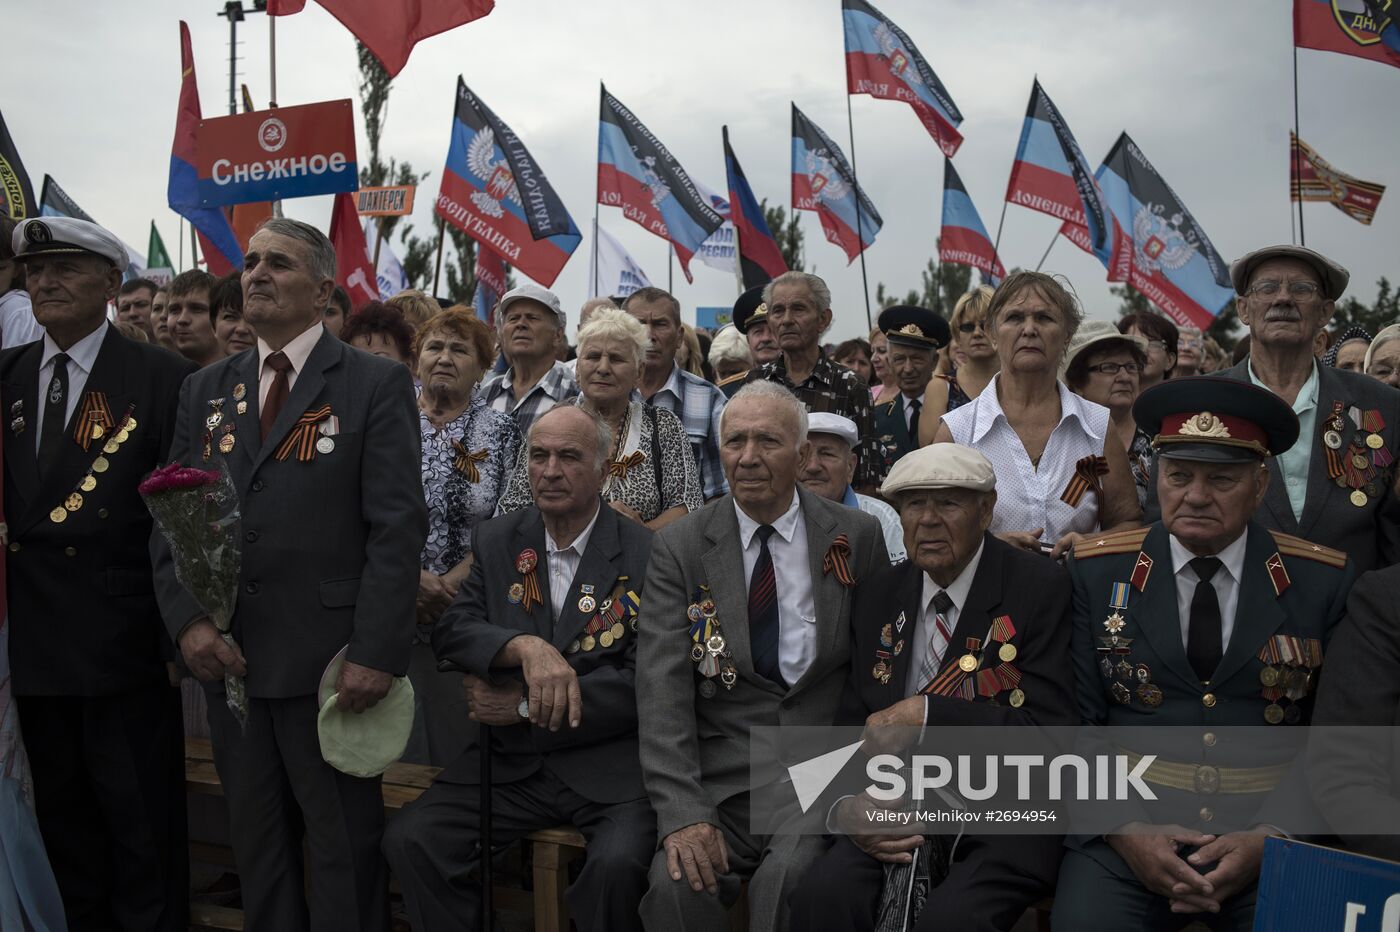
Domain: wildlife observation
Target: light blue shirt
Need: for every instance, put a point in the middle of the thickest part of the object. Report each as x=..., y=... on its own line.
x=1294, y=462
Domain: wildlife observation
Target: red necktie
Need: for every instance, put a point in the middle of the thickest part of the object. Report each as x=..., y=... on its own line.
x=277, y=394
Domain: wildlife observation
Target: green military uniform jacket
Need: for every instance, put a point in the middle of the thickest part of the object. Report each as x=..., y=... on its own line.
x=892, y=429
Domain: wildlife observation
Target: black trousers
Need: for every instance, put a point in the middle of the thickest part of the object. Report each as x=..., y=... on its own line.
x=279, y=789
x=993, y=880
x=432, y=846
x=109, y=791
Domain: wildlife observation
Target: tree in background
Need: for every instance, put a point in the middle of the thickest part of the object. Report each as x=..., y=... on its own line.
x=787, y=232
x=1223, y=330
x=942, y=283
x=1383, y=311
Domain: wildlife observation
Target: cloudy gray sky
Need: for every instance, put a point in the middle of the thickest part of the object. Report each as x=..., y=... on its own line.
x=1203, y=86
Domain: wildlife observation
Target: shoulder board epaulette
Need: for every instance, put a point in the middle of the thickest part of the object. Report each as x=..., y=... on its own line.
x=734, y=378
x=1291, y=546
x=1120, y=542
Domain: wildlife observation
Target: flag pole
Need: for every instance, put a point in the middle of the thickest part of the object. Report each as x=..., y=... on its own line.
x=1047, y=251
x=1298, y=151
x=180, y=238
x=860, y=238
x=272, y=60
x=670, y=267
x=996, y=246
x=437, y=268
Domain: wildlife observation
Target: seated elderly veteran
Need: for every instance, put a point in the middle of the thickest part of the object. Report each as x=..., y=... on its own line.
x=961, y=587
x=830, y=467
x=1203, y=619
x=748, y=609
x=545, y=623
x=915, y=336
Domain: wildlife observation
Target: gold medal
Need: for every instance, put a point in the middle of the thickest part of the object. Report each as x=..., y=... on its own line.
x=1017, y=698
x=586, y=605
x=617, y=630
x=606, y=638
x=1273, y=713
x=1358, y=498
x=226, y=443
x=1375, y=441
x=241, y=407
x=100, y=464
x=239, y=391
x=89, y=483
x=58, y=515
x=1359, y=460
x=1007, y=653
x=1269, y=676
x=967, y=663
x=97, y=432
x=73, y=502
x=111, y=446
x=130, y=424
x=588, y=643
x=123, y=436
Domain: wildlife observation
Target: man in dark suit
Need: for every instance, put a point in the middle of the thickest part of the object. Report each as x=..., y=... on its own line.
x=546, y=625
x=321, y=441
x=1204, y=619
x=915, y=335
x=89, y=414
x=909, y=626
x=1336, y=485
x=747, y=624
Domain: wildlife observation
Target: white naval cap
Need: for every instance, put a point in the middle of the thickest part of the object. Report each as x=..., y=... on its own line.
x=55, y=235
x=941, y=466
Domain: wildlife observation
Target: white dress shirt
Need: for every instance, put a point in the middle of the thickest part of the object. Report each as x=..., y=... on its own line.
x=1226, y=582
x=81, y=357
x=563, y=565
x=923, y=632
x=792, y=574
x=909, y=408
x=297, y=351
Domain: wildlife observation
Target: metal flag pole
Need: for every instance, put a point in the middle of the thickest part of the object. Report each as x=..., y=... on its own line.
x=670, y=267
x=860, y=237
x=1298, y=152
x=437, y=269
x=272, y=60
x=180, y=238
x=996, y=246
x=1047, y=251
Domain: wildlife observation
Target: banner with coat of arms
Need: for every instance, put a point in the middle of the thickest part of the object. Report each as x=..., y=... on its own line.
x=1363, y=28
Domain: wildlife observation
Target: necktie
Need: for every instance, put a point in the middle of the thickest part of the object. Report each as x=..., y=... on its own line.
x=277, y=394
x=1203, y=647
x=763, y=611
x=914, y=407
x=55, y=414
x=940, y=635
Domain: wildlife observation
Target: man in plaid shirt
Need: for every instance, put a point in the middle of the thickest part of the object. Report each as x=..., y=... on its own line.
x=666, y=385
x=799, y=312
x=531, y=330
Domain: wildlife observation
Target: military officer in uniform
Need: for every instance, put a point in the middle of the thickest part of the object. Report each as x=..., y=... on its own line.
x=751, y=319
x=89, y=414
x=1203, y=619
x=915, y=334
x=963, y=595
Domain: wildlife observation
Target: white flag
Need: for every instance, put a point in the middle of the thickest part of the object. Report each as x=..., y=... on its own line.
x=390, y=274
x=719, y=251
x=612, y=271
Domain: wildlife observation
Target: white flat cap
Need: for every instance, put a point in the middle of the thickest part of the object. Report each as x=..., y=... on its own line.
x=822, y=422
x=534, y=293
x=941, y=466
x=53, y=235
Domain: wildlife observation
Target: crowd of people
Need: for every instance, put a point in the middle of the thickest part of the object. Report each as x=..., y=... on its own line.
x=626, y=554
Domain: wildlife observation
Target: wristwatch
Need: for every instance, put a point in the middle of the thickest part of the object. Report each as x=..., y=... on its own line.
x=524, y=707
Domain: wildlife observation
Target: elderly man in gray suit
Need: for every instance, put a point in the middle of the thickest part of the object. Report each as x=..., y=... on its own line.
x=746, y=624
x=321, y=441
x=546, y=625
x=1337, y=482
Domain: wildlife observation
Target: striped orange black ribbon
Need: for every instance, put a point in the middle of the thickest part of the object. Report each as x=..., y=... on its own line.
x=532, y=591
x=837, y=560
x=465, y=463
x=302, y=437
x=621, y=467
x=93, y=412
x=1086, y=477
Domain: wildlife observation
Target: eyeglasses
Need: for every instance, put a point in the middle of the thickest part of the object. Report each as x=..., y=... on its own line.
x=1268, y=289
x=1111, y=368
x=969, y=327
x=1158, y=345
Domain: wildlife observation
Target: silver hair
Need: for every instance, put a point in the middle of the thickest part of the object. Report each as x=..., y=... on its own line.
x=820, y=292
x=321, y=251
x=603, y=435
x=730, y=345
x=763, y=390
x=609, y=323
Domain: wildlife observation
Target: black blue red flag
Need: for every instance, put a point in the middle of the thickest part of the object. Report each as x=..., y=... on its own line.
x=964, y=240
x=1168, y=256
x=16, y=191
x=495, y=192
x=882, y=61
x=639, y=174
x=1051, y=175
x=760, y=259
x=490, y=283
x=822, y=181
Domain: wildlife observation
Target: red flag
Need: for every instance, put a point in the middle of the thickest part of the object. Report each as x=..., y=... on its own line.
x=352, y=269
x=1364, y=28
x=390, y=28
x=1321, y=182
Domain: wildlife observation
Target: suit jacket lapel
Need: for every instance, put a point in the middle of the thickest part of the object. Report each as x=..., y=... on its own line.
x=21, y=461
x=598, y=569
x=530, y=536
x=1276, y=496
x=975, y=617
x=1257, y=612
x=1319, y=490
x=908, y=596
x=1153, y=614
x=247, y=431
x=724, y=563
x=310, y=380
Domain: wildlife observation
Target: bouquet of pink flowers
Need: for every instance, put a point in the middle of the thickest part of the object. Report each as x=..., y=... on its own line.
x=197, y=512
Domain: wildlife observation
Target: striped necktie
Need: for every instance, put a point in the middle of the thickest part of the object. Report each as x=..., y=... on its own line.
x=940, y=636
x=763, y=611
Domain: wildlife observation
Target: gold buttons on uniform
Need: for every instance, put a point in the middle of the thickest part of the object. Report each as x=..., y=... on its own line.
x=1208, y=700
x=1208, y=739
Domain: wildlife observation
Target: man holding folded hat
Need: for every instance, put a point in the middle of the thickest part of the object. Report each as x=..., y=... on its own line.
x=1336, y=485
x=87, y=414
x=923, y=632
x=1204, y=619
x=915, y=335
